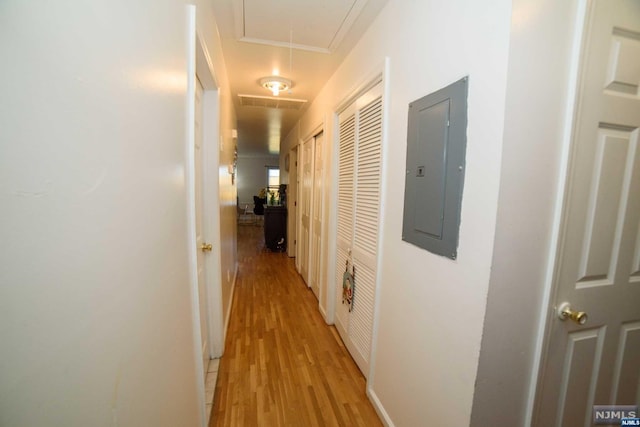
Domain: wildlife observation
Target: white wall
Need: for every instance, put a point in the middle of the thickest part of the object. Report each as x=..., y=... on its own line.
x=431, y=308
x=538, y=90
x=252, y=176
x=95, y=309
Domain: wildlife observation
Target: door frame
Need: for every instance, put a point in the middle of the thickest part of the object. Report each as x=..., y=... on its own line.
x=310, y=137
x=292, y=204
x=298, y=208
x=503, y=340
x=547, y=309
x=583, y=14
x=307, y=261
x=189, y=175
x=211, y=198
x=199, y=64
x=378, y=75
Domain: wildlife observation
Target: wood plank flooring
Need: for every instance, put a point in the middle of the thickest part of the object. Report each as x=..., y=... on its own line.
x=283, y=366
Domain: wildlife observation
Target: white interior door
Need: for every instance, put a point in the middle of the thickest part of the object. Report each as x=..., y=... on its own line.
x=299, y=209
x=598, y=266
x=305, y=232
x=200, y=242
x=292, y=203
x=345, y=207
x=359, y=183
x=316, y=221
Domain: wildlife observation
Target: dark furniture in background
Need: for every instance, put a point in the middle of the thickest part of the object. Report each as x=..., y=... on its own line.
x=275, y=228
x=282, y=190
x=258, y=205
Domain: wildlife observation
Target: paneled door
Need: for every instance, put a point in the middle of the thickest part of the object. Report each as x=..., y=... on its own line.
x=358, y=225
x=306, y=194
x=292, y=204
x=595, y=360
x=203, y=247
x=316, y=217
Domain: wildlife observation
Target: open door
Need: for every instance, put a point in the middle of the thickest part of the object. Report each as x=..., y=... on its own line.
x=592, y=349
x=203, y=246
x=315, y=257
x=305, y=208
x=292, y=202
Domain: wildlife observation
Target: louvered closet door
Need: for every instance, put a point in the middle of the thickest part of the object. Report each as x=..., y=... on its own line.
x=344, y=237
x=365, y=239
x=360, y=208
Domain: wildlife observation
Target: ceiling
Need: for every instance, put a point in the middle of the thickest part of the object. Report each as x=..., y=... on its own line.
x=301, y=40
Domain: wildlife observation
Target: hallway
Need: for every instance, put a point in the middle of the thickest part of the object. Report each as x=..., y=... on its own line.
x=282, y=364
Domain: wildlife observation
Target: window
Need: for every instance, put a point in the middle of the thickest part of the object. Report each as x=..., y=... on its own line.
x=273, y=179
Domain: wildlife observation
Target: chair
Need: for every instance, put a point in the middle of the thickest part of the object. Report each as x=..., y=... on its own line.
x=246, y=215
x=258, y=207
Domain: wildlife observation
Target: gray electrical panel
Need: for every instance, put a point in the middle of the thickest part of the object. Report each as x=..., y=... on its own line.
x=436, y=146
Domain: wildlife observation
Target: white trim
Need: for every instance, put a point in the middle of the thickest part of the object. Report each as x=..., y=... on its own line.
x=386, y=91
x=275, y=43
x=348, y=21
x=298, y=210
x=371, y=80
x=310, y=140
x=355, y=354
x=323, y=312
x=323, y=283
x=292, y=207
x=211, y=220
x=228, y=316
x=273, y=98
x=204, y=64
x=315, y=132
x=377, y=405
x=332, y=221
x=311, y=137
x=211, y=200
x=190, y=200
x=558, y=216
x=274, y=157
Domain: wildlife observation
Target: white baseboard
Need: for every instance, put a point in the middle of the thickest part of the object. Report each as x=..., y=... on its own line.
x=228, y=316
x=377, y=405
x=324, y=313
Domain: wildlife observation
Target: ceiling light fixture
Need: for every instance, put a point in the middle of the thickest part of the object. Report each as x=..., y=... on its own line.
x=276, y=84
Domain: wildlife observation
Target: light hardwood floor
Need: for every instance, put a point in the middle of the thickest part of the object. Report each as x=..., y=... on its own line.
x=283, y=366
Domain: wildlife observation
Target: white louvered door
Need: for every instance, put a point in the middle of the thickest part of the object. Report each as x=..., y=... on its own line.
x=359, y=171
x=344, y=235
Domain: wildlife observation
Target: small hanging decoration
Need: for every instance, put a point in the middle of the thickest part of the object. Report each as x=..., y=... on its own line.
x=348, y=286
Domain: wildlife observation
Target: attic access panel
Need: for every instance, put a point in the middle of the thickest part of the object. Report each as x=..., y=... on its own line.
x=436, y=147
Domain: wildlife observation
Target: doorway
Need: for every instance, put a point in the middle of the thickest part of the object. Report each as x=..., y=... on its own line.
x=203, y=206
x=311, y=194
x=592, y=348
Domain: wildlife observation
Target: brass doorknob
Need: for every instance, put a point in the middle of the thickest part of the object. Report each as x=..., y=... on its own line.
x=565, y=312
x=206, y=247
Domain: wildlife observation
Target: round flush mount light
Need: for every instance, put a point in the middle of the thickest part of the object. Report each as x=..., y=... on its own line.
x=275, y=84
